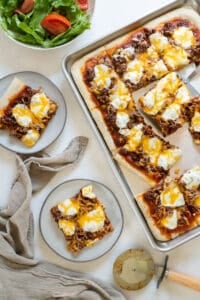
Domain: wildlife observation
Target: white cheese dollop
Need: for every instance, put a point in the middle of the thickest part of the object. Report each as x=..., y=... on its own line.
x=22, y=115
x=87, y=192
x=184, y=37
x=68, y=227
x=122, y=119
x=171, y=221
x=172, y=112
x=134, y=71
x=168, y=158
x=93, y=221
x=182, y=95
x=172, y=197
x=31, y=137
x=159, y=41
x=191, y=178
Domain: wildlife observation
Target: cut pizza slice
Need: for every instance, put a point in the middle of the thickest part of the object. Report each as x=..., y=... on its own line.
x=192, y=112
x=135, y=60
x=95, y=77
x=25, y=112
x=165, y=103
x=82, y=219
x=146, y=153
x=173, y=206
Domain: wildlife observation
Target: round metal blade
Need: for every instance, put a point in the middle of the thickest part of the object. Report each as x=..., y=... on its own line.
x=133, y=269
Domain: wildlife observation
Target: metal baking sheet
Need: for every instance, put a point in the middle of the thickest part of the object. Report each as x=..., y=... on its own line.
x=127, y=181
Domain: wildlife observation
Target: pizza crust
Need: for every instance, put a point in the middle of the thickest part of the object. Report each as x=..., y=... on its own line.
x=122, y=161
x=103, y=129
x=76, y=71
x=184, y=12
x=13, y=90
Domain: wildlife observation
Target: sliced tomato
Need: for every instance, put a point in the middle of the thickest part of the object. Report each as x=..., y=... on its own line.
x=55, y=23
x=83, y=4
x=26, y=7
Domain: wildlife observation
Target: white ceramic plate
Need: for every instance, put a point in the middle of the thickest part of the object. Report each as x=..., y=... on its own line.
x=54, y=127
x=90, y=12
x=53, y=236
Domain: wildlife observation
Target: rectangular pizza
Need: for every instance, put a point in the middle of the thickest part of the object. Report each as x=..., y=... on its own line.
x=173, y=206
x=108, y=79
x=82, y=219
x=25, y=112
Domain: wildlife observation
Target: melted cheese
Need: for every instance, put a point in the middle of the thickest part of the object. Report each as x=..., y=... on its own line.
x=134, y=71
x=22, y=115
x=149, y=56
x=152, y=146
x=87, y=192
x=134, y=137
x=184, y=37
x=182, y=95
x=122, y=119
x=102, y=77
x=120, y=96
x=158, y=97
x=69, y=207
x=40, y=105
x=93, y=221
x=197, y=201
x=31, y=137
x=126, y=53
x=191, y=178
x=172, y=112
x=158, y=69
x=172, y=196
x=171, y=221
x=168, y=158
x=159, y=41
x=175, y=57
x=68, y=227
x=195, y=123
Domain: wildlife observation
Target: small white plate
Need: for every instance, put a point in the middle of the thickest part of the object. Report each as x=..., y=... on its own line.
x=53, y=236
x=56, y=124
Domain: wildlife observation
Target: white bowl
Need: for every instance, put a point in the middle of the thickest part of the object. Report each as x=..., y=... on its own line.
x=90, y=12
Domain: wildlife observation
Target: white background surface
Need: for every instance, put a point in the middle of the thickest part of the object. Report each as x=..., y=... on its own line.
x=109, y=16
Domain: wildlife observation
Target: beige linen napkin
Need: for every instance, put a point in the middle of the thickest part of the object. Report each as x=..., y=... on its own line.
x=21, y=276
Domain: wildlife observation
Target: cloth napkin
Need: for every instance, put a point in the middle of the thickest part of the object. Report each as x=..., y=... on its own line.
x=22, y=277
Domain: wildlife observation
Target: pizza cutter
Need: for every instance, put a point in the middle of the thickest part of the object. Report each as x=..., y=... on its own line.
x=134, y=268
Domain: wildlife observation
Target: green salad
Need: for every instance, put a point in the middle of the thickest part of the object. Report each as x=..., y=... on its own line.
x=40, y=25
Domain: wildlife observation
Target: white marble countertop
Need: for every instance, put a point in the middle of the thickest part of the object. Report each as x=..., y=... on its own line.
x=13, y=58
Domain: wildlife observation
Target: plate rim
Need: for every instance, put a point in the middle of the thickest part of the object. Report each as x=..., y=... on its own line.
x=65, y=111
x=118, y=204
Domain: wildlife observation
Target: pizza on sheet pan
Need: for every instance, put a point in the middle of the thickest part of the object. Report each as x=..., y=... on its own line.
x=107, y=79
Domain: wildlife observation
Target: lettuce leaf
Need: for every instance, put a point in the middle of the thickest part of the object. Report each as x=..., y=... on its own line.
x=27, y=29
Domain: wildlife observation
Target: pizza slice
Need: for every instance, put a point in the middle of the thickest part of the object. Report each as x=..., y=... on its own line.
x=165, y=103
x=172, y=207
x=25, y=112
x=95, y=77
x=192, y=112
x=135, y=60
x=82, y=219
x=146, y=153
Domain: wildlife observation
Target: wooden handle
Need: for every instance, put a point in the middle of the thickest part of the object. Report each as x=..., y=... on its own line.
x=186, y=280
